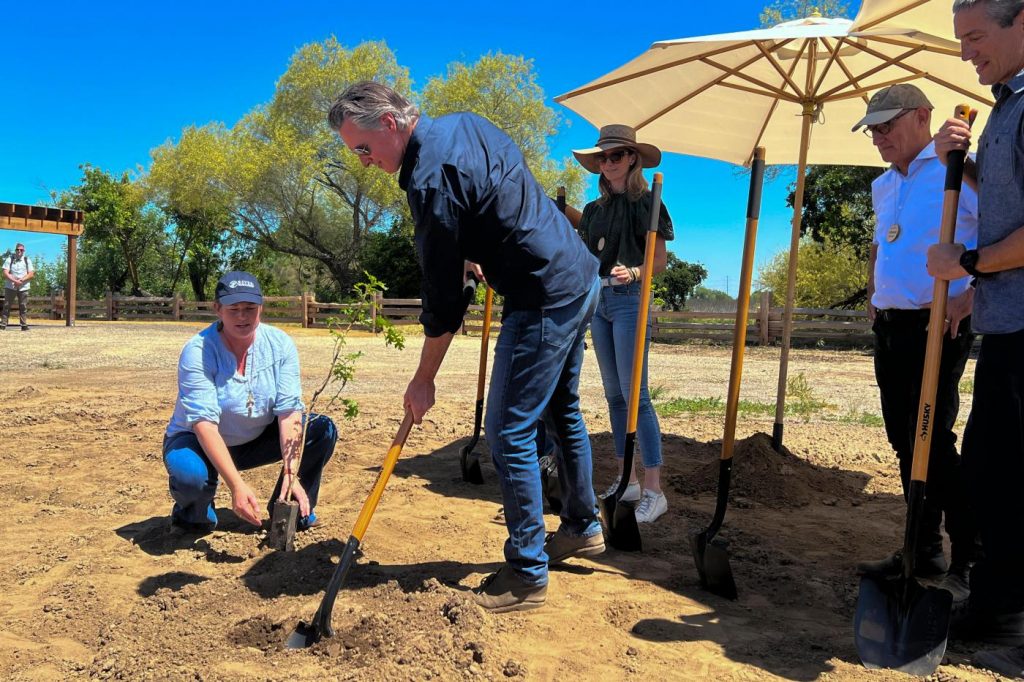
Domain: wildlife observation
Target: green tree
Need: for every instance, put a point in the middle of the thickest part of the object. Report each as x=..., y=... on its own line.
x=779, y=11
x=837, y=206
x=678, y=281
x=503, y=89
x=124, y=235
x=391, y=258
x=827, y=275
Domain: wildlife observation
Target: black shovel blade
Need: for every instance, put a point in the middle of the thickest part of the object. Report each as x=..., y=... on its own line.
x=470, y=463
x=307, y=634
x=550, y=484
x=712, y=559
x=901, y=625
x=623, y=533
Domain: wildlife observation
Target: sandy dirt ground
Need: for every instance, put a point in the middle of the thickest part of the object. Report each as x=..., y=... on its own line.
x=95, y=587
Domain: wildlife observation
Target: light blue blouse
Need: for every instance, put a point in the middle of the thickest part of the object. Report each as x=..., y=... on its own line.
x=211, y=389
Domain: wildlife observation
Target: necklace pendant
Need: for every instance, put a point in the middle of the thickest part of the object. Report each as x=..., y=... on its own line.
x=250, y=403
x=893, y=234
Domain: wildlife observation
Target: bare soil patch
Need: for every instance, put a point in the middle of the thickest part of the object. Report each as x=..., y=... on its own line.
x=94, y=587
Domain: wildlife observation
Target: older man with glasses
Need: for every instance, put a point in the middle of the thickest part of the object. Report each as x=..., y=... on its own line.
x=907, y=201
x=17, y=273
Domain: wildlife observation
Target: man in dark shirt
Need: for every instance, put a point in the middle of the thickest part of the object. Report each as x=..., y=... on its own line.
x=991, y=34
x=473, y=199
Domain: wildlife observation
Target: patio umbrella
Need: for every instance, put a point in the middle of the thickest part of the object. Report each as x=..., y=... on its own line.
x=795, y=88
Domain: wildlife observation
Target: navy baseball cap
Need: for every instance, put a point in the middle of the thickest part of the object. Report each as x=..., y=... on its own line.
x=238, y=287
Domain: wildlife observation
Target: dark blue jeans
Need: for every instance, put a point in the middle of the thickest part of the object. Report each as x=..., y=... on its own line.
x=193, y=479
x=536, y=375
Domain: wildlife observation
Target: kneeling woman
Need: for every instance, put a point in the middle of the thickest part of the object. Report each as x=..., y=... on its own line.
x=239, y=406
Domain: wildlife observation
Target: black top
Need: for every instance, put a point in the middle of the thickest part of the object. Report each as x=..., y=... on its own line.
x=473, y=198
x=616, y=231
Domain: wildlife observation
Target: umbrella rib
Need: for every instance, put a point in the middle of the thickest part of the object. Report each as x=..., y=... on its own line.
x=887, y=62
x=846, y=70
x=832, y=57
x=775, y=95
x=768, y=117
x=778, y=67
x=927, y=48
x=691, y=95
x=778, y=92
x=890, y=15
x=930, y=77
x=862, y=91
x=654, y=69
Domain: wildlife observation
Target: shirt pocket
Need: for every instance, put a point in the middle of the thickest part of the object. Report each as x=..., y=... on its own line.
x=1000, y=161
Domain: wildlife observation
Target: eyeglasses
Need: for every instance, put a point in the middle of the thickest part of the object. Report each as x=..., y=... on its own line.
x=884, y=128
x=19, y=250
x=613, y=157
x=361, y=150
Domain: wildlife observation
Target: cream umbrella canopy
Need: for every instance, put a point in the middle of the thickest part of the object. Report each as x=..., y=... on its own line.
x=795, y=88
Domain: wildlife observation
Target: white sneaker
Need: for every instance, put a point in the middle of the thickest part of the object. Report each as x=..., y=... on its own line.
x=652, y=505
x=632, y=493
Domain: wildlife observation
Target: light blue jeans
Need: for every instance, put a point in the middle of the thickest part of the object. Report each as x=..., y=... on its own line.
x=613, y=331
x=536, y=375
x=193, y=479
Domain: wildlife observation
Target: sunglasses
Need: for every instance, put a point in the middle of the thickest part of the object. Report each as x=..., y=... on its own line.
x=19, y=250
x=611, y=157
x=361, y=150
x=884, y=128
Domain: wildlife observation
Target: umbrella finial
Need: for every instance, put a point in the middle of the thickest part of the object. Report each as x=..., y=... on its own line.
x=814, y=14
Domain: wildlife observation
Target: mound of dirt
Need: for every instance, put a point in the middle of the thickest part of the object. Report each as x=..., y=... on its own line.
x=774, y=479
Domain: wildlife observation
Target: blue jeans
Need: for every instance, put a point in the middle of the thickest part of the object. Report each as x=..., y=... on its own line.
x=193, y=479
x=536, y=375
x=614, y=333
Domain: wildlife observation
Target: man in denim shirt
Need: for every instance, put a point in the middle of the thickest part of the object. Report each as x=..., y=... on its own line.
x=991, y=34
x=474, y=199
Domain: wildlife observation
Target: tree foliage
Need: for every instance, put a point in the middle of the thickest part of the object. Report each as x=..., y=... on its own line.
x=677, y=281
x=827, y=275
x=837, y=206
x=779, y=11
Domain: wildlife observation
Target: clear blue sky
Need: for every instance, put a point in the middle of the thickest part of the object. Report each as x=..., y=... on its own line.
x=106, y=82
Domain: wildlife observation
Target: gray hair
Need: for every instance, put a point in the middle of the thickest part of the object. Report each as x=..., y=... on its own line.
x=1003, y=12
x=365, y=102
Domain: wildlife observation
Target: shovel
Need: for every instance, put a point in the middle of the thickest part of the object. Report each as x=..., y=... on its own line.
x=308, y=634
x=469, y=459
x=899, y=623
x=619, y=516
x=710, y=553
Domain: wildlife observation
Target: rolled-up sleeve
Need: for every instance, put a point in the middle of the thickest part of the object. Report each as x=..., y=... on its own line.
x=437, y=241
x=196, y=386
x=289, y=383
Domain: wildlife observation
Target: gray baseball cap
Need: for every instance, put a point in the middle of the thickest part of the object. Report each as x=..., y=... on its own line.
x=885, y=104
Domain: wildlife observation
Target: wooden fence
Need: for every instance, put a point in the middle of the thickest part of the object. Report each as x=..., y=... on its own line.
x=764, y=322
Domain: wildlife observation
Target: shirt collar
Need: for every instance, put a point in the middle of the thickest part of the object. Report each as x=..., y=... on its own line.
x=1013, y=86
x=412, y=150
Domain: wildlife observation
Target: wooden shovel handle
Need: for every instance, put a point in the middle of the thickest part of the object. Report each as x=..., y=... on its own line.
x=937, y=318
x=363, y=521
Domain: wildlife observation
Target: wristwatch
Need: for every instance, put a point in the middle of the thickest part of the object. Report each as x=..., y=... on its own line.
x=969, y=262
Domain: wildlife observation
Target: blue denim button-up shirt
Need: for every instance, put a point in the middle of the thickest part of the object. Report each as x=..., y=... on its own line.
x=473, y=198
x=999, y=298
x=211, y=389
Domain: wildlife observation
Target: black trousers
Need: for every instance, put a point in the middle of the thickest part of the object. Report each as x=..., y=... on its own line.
x=994, y=464
x=900, y=340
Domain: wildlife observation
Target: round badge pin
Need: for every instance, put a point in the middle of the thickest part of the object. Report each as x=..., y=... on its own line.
x=894, y=233
x=600, y=244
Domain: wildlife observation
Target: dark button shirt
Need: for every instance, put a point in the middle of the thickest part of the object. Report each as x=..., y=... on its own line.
x=473, y=198
x=616, y=230
x=999, y=298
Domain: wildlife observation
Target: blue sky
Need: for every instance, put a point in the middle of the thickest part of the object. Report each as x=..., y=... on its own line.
x=106, y=82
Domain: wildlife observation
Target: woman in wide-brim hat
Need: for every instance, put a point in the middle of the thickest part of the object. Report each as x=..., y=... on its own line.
x=614, y=228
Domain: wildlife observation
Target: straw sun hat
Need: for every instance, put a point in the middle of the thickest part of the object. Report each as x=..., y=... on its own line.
x=613, y=137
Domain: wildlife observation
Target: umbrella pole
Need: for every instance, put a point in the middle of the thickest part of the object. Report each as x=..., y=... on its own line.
x=794, y=246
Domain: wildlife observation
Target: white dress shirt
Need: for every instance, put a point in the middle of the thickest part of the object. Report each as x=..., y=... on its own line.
x=914, y=202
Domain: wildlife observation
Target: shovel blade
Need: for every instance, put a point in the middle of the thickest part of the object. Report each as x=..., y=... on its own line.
x=711, y=556
x=901, y=625
x=305, y=635
x=623, y=533
x=550, y=484
x=470, y=463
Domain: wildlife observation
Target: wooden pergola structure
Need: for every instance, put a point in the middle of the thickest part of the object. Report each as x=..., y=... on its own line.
x=50, y=221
